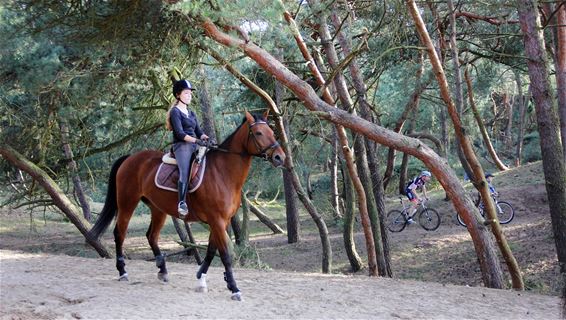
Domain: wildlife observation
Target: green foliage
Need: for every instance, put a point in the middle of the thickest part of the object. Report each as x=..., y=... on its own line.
x=531, y=147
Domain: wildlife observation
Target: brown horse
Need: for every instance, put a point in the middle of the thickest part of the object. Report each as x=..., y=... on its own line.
x=214, y=202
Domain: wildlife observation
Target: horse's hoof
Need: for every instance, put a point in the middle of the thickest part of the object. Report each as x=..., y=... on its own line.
x=163, y=276
x=201, y=289
x=236, y=296
x=124, y=277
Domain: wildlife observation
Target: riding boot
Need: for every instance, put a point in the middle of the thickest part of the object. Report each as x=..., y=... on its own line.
x=182, y=208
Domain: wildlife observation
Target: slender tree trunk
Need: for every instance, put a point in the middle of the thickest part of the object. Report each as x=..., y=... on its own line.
x=377, y=185
x=458, y=92
x=480, y=182
x=78, y=187
x=245, y=230
x=359, y=144
x=208, y=124
x=349, y=222
x=561, y=71
x=548, y=123
x=485, y=135
x=490, y=268
x=291, y=201
x=334, y=189
x=520, y=126
x=59, y=198
x=347, y=152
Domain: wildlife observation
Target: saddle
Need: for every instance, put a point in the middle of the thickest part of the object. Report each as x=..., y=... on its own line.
x=167, y=174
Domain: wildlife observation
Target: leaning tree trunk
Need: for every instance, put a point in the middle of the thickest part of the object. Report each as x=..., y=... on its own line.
x=479, y=181
x=490, y=268
x=548, y=123
x=59, y=198
x=485, y=135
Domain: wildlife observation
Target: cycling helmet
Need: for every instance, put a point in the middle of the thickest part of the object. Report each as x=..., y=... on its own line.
x=426, y=173
x=487, y=175
x=181, y=85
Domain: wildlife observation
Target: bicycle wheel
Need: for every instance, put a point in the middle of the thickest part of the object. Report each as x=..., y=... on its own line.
x=505, y=212
x=396, y=221
x=429, y=219
x=460, y=220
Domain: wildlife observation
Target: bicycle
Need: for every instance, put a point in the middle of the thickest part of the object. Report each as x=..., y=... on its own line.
x=505, y=212
x=428, y=218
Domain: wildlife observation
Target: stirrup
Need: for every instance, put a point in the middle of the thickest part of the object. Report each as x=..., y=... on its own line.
x=182, y=209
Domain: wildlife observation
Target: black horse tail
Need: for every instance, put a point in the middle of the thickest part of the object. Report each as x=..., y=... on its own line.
x=110, y=206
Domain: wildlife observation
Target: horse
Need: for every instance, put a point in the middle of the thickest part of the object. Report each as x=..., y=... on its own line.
x=215, y=202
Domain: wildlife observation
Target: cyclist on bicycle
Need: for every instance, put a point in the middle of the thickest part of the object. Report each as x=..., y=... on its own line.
x=411, y=192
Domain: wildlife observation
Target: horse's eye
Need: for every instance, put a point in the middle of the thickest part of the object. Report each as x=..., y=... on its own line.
x=258, y=133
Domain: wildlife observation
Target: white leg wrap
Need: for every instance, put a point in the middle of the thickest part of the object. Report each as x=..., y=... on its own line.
x=202, y=286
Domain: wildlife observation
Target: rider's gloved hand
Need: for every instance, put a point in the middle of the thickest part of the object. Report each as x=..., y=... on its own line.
x=201, y=143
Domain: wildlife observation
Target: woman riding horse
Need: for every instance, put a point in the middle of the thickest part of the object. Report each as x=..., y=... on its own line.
x=215, y=202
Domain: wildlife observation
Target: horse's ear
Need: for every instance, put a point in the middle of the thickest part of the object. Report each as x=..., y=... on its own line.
x=266, y=114
x=250, y=118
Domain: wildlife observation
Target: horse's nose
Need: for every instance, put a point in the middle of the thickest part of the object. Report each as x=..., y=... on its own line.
x=278, y=160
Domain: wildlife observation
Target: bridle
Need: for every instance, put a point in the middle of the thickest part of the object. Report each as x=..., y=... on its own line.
x=263, y=153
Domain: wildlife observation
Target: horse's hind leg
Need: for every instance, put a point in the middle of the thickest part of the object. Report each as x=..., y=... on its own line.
x=157, y=221
x=120, y=231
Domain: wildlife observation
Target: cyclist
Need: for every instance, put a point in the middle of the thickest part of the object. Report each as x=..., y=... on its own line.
x=411, y=192
x=489, y=178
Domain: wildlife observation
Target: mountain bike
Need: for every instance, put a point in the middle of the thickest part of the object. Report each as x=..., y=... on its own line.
x=428, y=218
x=505, y=212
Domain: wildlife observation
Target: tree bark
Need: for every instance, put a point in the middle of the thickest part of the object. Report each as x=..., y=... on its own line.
x=548, y=123
x=59, y=198
x=485, y=135
x=491, y=272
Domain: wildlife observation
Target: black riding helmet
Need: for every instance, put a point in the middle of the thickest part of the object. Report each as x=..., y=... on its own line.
x=489, y=175
x=181, y=85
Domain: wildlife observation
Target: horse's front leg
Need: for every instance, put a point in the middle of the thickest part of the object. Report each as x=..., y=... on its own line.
x=201, y=273
x=224, y=250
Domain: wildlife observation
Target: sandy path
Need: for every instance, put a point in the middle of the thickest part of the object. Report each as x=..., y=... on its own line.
x=49, y=286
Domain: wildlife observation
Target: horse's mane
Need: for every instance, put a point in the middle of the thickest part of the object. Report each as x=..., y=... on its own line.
x=226, y=143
